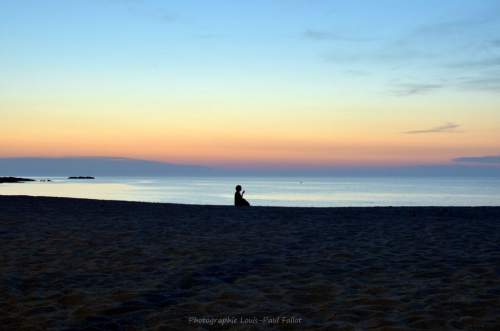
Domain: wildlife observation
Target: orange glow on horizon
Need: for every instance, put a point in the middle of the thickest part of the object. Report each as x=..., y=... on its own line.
x=190, y=136
x=222, y=150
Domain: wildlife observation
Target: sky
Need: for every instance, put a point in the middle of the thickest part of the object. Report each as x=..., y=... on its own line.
x=252, y=84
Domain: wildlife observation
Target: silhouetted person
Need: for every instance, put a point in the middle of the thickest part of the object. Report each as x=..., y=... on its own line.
x=238, y=197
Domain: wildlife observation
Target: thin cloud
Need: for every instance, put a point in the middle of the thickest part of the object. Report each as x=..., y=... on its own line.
x=206, y=36
x=448, y=37
x=456, y=27
x=317, y=35
x=357, y=72
x=162, y=15
x=485, y=84
x=321, y=36
x=484, y=63
x=335, y=58
x=413, y=89
x=449, y=51
x=448, y=128
x=494, y=159
x=140, y=9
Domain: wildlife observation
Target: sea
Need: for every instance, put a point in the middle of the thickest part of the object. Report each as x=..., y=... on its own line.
x=273, y=191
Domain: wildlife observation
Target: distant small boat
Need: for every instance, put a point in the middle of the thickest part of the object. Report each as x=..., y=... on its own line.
x=81, y=177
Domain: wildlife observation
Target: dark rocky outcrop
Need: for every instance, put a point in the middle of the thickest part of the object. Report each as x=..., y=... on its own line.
x=81, y=177
x=15, y=180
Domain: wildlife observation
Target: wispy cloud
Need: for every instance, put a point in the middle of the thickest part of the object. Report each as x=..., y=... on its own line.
x=461, y=54
x=480, y=159
x=357, y=72
x=495, y=43
x=448, y=128
x=321, y=35
x=342, y=58
x=479, y=64
x=453, y=28
x=404, y=90
x=485, y=83
x=138, y=10
x=317, y=35
x=206, y=36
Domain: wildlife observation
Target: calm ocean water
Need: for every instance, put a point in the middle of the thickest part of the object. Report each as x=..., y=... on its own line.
x=275, y=191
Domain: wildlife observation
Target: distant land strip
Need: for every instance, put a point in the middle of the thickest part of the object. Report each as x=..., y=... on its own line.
x=15, y=180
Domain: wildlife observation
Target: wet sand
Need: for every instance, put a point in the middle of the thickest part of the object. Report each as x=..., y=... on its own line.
x=77, y=264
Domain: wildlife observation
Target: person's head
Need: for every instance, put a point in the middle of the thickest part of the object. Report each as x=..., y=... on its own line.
x=238, y=188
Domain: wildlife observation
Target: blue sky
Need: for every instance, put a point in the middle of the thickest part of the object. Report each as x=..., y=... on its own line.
x=406, y=47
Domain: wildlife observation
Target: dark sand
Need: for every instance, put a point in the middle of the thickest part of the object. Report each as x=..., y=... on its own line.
x=74, y=264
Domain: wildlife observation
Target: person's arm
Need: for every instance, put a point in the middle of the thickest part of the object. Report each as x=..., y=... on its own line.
x=242, y=193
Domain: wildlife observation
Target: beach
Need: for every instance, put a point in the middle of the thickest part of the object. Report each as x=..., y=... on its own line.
x=81, y=264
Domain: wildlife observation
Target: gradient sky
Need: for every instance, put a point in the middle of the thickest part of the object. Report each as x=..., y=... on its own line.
x=252, y=83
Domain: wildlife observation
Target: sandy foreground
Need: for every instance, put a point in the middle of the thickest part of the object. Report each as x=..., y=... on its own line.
x=75, y=264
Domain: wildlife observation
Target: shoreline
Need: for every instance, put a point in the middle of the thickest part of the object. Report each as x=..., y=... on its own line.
x=103, y=200
x=70, y=263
